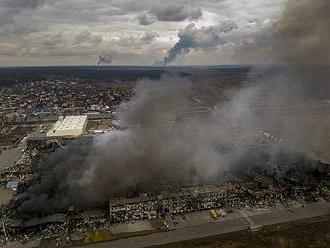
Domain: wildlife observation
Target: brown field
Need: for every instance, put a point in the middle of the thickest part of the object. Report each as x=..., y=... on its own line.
x=313, y=232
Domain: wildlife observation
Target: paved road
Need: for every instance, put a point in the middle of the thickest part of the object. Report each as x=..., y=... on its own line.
x=216, y=228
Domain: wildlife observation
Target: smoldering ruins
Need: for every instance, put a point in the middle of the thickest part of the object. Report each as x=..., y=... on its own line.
x=259, y=142
x=163, y=145
x=158, y=149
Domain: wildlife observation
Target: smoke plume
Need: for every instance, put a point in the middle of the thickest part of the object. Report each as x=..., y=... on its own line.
x=104, y=59
x=295, y=91
x=159, y=150
x=191, y=37
x=303, y=32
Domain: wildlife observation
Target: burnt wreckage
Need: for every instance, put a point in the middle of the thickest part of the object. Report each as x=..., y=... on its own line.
x=290, y=178
x=266, y=180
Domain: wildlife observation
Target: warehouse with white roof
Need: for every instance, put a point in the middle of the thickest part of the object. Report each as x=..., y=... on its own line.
x=69, y=126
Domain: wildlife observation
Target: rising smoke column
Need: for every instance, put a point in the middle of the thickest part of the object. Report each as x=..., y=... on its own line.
x=153, y=154
x=303, y=32
x=301, y=45
x=191, y=37
x=104, y=59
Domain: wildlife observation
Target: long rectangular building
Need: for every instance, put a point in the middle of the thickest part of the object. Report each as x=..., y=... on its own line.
x=69, y=126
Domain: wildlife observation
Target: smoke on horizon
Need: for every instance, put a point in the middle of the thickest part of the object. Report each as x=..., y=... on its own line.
x=198, y=38
x=104, y=59
x=157, y=152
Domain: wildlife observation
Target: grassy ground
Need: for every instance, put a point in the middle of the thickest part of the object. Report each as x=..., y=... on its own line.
x=314, y=233
x=94, y=237
x=8, y=157
x=100, y=236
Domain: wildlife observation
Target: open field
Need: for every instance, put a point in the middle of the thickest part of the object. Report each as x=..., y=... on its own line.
x=314, y=232
x=7, y=159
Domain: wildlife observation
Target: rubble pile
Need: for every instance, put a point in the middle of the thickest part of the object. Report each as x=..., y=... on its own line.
x=233, y=195
x=68, y=227
x=243, y=193
x=285, y=182
x=53, y=230
x=289, y=178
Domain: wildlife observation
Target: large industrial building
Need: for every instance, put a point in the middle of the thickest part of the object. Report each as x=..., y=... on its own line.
x=69, y=126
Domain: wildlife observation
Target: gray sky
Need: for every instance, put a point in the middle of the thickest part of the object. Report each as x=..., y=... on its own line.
x=139, y=32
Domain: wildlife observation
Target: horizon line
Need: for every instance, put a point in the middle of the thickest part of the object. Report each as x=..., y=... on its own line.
x=151, y=66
